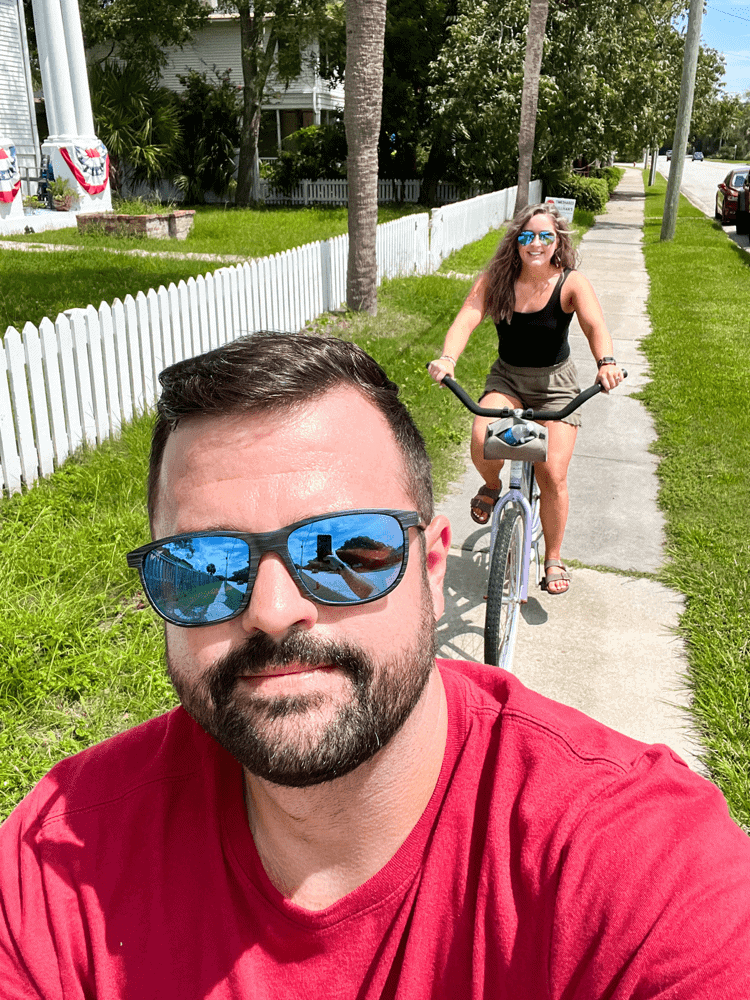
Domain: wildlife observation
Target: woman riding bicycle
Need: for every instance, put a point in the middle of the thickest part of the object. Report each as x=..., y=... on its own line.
x=531, y=290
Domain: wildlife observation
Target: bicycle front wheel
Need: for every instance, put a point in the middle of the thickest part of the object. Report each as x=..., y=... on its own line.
x=504, y=590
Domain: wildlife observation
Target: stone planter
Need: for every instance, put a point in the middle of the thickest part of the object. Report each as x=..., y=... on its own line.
x=174, y=225
x=64, y=204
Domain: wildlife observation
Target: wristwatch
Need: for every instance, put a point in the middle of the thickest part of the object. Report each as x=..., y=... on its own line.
x=605, y=361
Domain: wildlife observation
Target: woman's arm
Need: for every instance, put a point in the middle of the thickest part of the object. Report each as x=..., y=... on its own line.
x=470, y=315
x=578, y=293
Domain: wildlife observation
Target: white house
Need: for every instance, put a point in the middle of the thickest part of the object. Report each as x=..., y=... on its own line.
x=308, y=100
x=17, y=115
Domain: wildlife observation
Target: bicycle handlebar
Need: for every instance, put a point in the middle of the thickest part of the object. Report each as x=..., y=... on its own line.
x=527, y=414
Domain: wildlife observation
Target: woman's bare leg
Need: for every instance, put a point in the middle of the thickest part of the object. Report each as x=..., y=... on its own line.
x=552, y=476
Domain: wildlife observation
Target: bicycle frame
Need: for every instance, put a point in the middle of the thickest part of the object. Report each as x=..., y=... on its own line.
x=515, y=494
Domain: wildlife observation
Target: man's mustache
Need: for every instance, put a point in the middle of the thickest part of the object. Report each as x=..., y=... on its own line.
x=260, y=653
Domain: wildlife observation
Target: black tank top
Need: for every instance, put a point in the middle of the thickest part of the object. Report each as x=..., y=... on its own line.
x=537, y=339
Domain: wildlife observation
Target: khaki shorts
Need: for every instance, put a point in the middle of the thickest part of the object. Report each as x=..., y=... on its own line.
x=539, y=388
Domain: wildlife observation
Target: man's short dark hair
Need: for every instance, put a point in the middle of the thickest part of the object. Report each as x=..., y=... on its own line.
x=272, y=372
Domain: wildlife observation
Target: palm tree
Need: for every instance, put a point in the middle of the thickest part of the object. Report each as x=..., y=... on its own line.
x=365, y=30
x=531, y=71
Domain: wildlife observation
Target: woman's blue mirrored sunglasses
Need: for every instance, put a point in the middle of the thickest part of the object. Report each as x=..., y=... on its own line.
x=546, y=238
x=347, y=558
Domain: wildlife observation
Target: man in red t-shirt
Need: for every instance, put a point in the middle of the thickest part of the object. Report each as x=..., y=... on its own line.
x=331, y=811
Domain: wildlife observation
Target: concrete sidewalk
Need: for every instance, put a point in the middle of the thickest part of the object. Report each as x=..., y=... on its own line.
x=608, y=646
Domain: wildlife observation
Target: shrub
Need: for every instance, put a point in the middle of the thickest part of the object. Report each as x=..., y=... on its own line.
x=313, y=152
x=590, y=193
x=209, y=114
x=137, y=120
x=612, y=175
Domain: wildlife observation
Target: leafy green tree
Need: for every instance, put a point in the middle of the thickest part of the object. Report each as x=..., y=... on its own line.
x=273, y=36
x=312, y=152
x=137, y=120
x=138, y=31
x=210, y=120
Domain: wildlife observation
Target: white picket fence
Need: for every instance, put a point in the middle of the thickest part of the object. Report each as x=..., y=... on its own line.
x=77, y=379
x=336, y=192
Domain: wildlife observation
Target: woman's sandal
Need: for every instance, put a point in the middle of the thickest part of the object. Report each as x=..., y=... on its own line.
x=561, y=575
x=483, y=503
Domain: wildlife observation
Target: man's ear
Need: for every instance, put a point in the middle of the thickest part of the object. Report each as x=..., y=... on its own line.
x=437, y=538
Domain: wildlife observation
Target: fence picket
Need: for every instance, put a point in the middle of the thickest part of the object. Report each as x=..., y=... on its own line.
x=154, y=334
x=83, y=375
x=32, y=345
x=203, y=340
x=120, y=333
x=147, y=358
x=106, y=327
x=65, y=344
x=51, y=365
x=9, y=458
x=175, y=313
x=96, y=370
x=19, y=395
x=140, y=402
x=165, y=322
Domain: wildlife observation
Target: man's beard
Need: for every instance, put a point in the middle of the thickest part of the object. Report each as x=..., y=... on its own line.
x=383, y=695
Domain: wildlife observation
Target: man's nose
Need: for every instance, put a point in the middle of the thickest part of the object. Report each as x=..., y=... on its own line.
x=277, y=604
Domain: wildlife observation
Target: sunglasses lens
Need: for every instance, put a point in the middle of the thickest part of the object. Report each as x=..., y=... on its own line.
x=349, y=558
x=199, y=580
x=545, y=238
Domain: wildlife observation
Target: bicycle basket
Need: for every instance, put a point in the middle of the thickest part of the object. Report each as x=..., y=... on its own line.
x=533, y=450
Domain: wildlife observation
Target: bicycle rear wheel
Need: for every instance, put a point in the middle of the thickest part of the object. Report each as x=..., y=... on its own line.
x=504, y=590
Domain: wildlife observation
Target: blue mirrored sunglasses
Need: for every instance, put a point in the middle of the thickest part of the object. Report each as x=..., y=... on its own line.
x=546, y=238
x=347, y=558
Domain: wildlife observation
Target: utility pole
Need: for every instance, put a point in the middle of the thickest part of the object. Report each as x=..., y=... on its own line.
x=684, y=114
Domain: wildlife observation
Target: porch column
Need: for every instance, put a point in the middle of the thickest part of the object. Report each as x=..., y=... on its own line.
x=53, y=61
x=77, y=68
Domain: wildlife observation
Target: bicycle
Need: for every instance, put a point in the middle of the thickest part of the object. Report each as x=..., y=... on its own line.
x=516, y=528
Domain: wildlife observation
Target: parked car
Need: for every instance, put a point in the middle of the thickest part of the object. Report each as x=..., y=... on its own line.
x=726, y=194
x=697, y=155
x=742, y=218
x=669, y=155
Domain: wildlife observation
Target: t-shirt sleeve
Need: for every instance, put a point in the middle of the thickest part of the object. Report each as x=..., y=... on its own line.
x=653, y=892
x=28, y=960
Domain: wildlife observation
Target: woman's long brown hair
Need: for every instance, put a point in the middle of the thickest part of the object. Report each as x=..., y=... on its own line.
x=505, y=267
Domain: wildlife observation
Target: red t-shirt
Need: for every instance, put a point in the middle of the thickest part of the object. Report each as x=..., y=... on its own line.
x=556, y=858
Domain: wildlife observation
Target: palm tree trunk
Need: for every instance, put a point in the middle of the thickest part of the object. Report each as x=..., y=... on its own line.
x=365, y=31
x=531, y=71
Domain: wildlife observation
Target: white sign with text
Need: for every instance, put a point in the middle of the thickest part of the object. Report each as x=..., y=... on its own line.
x=564, y=206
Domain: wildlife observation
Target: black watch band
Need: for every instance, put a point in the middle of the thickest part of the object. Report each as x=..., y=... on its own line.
x=605, y=361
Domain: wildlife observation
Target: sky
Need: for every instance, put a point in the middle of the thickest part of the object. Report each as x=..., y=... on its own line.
x=726, y=27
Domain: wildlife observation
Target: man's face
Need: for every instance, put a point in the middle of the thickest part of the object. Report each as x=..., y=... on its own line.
x=299, y=692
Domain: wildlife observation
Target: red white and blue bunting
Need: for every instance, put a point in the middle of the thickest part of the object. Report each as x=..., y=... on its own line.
x=90, y=166
x=10, y=175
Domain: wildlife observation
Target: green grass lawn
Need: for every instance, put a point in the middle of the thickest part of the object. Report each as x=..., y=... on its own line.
x=37, y=284
x=699, y=355
x=248, y=232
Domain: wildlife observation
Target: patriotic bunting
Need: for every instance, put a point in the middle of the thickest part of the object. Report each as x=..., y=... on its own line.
x=10, y=175
x=90, y=166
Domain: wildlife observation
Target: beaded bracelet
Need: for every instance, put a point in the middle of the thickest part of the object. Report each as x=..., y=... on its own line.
x=447, y=357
